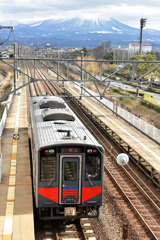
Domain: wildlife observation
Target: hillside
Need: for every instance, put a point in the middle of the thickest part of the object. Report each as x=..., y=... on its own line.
x=78, y=32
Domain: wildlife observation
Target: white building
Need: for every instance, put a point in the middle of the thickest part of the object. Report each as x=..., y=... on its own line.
x=134, y=48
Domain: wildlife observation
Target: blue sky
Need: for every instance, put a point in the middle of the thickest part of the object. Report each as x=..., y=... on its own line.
x=127, y=12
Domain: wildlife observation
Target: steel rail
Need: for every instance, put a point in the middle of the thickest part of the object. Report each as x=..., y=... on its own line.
x=148, y=227
x=131, y=204
x=135, y=209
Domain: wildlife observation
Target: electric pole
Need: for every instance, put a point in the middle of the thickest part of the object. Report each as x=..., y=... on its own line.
x=142, y=25
x=15, y=65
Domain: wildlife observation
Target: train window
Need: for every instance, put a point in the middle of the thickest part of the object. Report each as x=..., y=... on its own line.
x=93, y=168
x=48, y=168
x=70, y=171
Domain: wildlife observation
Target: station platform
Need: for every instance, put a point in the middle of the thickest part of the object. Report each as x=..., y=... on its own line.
x=16, y=206
x=144, y=146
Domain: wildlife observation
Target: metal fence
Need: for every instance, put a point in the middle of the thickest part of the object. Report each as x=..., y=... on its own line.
x=2, y=123
x=146, y=128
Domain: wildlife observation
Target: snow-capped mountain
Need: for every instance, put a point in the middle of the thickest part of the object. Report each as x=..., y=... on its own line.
x=78, y=32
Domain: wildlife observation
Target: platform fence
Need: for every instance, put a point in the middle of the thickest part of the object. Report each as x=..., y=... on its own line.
x=146, y=128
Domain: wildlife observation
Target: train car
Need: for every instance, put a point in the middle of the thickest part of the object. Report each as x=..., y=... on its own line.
x=67, y=162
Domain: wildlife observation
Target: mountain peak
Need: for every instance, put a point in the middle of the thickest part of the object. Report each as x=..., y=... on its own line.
x=80, y=32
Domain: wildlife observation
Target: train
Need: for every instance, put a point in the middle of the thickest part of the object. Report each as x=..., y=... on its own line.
x=67, y=162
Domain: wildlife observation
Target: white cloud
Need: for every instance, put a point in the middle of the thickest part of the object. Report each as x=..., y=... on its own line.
x=127, y=12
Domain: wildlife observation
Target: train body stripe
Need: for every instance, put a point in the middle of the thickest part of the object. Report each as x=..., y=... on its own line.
x=50, y=193
x=89, y=192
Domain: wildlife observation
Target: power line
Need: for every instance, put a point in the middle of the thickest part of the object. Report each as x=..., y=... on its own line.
x=11, y=31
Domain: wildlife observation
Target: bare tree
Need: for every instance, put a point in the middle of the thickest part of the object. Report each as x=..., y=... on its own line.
x=101, y=50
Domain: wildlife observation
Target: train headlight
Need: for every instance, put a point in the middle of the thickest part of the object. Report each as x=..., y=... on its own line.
x=49, y=151
x=91, y=150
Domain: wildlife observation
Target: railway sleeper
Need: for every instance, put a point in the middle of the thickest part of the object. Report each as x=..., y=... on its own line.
x=141, y=163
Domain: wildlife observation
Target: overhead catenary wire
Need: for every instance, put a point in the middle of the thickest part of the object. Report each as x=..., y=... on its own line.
x=11, y=31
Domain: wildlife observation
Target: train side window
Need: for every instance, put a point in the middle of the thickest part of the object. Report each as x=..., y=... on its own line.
x=70, y=171
x=48, y=168
x=93, y=168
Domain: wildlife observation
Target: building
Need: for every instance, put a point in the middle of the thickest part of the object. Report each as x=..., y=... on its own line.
x=134, y=48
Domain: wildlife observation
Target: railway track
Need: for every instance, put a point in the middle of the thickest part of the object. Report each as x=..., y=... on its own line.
x=77, y=230
x=143, y=201
x=65, y=230
x=146, y=204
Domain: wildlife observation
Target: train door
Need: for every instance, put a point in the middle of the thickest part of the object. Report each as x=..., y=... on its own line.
x=70, y=179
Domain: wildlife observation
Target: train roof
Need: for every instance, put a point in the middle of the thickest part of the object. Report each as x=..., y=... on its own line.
x=57, y=125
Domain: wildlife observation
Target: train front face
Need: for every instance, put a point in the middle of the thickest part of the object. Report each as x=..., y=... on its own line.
x=70, y=182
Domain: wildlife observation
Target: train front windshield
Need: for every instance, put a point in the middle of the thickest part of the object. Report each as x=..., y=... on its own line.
x=48, y=166
x=93, y=165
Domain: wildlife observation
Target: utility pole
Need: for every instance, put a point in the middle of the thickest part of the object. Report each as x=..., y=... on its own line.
x=81, y=84
x=58, y=56
x=15, y=71
x=142, y=25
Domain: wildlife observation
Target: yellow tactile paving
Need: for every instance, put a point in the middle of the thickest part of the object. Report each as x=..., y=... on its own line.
x=14, y=148
x=8, y=222
x=12, y=180
x=13, y=171
x=16, y=207
x=14, y=141
x=7, y=237
x=11, y=193
x=14, y=155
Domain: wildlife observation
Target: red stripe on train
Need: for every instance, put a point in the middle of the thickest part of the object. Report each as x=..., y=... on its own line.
x=50, y=193
x=89, y=192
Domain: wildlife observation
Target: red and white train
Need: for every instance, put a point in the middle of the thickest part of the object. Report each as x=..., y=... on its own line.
x=67, y=162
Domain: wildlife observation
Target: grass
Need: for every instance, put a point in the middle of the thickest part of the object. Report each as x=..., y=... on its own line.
x=146, y=96
x=142, y=109
x=150, y=98
x=132, y=104
x=152, y=89
x=4, y=68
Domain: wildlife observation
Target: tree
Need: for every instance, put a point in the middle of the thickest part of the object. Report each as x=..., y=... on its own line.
x=142, y=68
x=101, y=50
x=108, y=56
x=78, y=52
x=84, y=49
x=157, y=54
